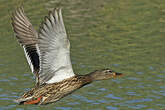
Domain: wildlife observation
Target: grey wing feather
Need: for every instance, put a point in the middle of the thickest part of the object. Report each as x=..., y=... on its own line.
x=27, y=37
x=54, y=49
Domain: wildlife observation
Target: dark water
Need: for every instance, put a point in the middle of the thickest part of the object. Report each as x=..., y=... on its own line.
x=125, y=35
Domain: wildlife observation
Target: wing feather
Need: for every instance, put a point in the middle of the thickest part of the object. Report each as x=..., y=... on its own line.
x=27, y=37
x=54, y=49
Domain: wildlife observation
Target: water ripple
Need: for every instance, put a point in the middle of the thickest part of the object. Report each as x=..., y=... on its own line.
x=139, y=100
x=133, y=93
x=139, y=72
x=63, y=108
x=102, y=89
x=113, y=97
x=73, y=103
x=111, y=108
x=134, y=78
x=140, y=106
x=82, y=98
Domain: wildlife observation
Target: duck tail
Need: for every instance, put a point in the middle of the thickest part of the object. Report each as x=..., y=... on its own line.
x=29, y=100
x=21, y=100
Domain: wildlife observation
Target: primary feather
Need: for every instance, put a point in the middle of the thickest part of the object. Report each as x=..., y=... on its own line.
x=27, y=37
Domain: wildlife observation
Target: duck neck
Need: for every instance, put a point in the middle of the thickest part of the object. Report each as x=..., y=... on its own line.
x=89, y=78
x=85, y=79
x=93, y=76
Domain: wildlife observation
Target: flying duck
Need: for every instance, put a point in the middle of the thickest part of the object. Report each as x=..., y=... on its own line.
x=48, y=54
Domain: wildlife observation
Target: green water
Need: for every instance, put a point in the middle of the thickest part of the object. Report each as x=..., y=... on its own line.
x=127, y=36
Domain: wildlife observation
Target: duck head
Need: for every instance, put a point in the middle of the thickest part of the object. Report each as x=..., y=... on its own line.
x=104, y=74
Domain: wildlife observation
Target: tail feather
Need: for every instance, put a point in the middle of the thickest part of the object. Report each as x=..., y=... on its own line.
x=19, y=100
x=28, y=100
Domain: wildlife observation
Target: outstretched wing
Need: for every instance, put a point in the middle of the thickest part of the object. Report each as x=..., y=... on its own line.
x=54, y=49
x=27, y=37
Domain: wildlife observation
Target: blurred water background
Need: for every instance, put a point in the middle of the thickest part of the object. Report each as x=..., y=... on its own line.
x=127, y=36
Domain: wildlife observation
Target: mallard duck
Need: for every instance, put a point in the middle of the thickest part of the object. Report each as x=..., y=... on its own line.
x=48, y=54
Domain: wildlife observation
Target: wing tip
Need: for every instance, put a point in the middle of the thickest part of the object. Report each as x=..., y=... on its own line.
x=56, y=12
x=16, y=13
x=54, y=17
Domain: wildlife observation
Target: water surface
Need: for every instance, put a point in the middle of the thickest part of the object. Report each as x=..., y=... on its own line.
x=124, y=35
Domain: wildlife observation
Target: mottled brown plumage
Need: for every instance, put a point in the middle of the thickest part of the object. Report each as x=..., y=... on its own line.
x=48, y=54
x=53, y=92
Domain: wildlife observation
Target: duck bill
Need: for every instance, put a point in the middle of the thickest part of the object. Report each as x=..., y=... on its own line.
x=117, y=74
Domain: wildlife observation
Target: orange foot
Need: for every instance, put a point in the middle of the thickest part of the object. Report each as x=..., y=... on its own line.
x=33, y=101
